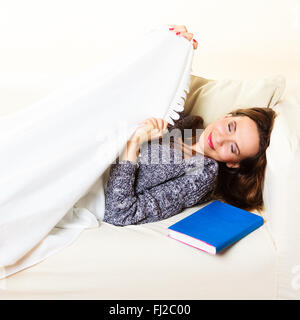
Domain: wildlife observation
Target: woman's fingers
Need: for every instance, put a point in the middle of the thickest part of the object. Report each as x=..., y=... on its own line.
x=195, y=44
x=161, y=124
x=150, y=123
x=156, y=123
x=164, y=124
x=187, y=35
x=177, y=28
x=152, y=128
x=182, y=31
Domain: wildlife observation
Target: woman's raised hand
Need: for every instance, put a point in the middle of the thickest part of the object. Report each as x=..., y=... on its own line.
x=150, y=129
x=182, y=31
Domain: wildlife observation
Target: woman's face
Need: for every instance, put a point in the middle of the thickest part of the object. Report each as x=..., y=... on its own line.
x=229, y=139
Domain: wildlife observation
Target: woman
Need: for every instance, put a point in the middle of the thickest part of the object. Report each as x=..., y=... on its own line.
x=227, y=163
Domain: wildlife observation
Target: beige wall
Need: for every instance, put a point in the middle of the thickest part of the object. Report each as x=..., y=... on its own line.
x=45, y=42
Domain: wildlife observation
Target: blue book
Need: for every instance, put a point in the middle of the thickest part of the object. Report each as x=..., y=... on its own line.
x=215, y=227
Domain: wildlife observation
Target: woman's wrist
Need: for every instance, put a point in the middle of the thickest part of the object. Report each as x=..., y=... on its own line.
x=136, y=138
x=131, y=151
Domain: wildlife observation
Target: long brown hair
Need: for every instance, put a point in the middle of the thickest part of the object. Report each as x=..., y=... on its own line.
x=243, y=186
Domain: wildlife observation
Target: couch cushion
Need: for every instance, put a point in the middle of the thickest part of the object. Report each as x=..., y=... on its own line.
x=142, y=262
x=212, y=99
x=282, y=159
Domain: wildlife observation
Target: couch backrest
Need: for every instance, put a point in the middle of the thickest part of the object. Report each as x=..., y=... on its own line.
x=282, y=180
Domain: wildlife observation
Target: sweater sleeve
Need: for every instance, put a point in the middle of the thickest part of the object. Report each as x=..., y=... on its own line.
x=159, y=164
x=124, y=207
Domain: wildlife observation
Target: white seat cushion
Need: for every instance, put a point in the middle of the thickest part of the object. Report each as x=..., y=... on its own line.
x=142, y=262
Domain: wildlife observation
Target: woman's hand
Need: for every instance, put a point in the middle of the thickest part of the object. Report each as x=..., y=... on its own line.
x=182, y=31
x=150, y=129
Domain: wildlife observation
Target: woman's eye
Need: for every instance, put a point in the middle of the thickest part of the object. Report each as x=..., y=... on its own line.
x=229, y=127
x=232, y=149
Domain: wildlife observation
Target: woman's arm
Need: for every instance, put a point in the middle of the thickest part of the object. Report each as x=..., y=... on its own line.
x=124, y=207
x=131, y=151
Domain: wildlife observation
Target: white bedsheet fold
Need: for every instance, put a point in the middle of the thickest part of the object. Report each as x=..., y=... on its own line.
x=55, y=154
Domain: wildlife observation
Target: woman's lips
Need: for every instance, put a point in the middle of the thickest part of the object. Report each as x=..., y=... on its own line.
x=210, y=143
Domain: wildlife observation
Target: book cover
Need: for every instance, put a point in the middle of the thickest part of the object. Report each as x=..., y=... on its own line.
x=215, y=227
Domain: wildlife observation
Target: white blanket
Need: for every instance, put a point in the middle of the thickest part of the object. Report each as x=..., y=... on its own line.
x=55, y=154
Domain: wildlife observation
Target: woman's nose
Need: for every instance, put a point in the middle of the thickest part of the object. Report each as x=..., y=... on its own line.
x=220, y=138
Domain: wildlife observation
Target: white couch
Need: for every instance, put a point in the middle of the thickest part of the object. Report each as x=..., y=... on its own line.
x=141, y=262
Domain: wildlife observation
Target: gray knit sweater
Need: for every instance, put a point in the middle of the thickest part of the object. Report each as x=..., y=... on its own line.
x=160, y=185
